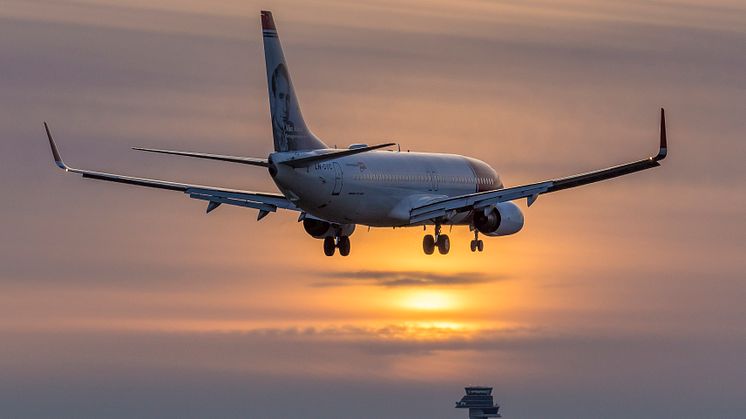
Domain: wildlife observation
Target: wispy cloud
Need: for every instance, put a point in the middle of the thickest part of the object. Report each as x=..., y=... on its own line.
x=391, y=279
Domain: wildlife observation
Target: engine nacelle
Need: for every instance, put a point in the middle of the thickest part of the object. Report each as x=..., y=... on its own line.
x=502, y=219
x=319, y=229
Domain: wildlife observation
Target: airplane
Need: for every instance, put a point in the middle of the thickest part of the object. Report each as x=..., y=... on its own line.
x=334, y=190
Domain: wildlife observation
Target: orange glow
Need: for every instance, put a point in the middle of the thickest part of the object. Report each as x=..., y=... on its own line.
x=429, y=301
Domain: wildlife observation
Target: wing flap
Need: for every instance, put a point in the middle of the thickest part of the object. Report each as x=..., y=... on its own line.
x=474, y=201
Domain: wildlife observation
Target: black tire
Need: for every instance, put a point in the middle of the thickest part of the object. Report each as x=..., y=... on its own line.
x=480, y=245
x=473, y=245
x=444, y=244
x=428, y=244
x=344, y=246
x=329, y=246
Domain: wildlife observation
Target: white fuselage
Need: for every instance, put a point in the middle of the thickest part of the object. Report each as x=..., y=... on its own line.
x=379, y=188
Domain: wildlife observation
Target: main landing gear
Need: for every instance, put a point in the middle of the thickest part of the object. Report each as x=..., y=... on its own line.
x=476, y=244
x=441, y=241
x=339, y=242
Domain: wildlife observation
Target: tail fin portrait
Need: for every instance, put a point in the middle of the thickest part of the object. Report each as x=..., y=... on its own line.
x=288, y=127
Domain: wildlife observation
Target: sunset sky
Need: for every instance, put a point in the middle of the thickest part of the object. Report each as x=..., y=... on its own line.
x=619, y=299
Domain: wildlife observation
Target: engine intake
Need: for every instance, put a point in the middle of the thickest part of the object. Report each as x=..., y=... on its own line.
x=502, y=219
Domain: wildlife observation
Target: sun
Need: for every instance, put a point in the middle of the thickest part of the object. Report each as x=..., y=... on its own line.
x=428, y=301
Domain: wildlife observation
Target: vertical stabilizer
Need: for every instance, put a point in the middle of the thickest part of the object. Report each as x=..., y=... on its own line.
x=288, y=127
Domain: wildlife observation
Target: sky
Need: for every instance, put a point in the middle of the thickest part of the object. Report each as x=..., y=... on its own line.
x=619, y=299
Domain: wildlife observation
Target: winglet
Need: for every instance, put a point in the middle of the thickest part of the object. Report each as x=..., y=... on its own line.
x=663, y=145
x=55, y=153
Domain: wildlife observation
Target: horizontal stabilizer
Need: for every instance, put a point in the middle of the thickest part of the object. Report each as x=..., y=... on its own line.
x=306, y=161
x=233, y=159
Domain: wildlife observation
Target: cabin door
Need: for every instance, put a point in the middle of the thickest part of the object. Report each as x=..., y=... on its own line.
x=337, y=178
x=433, y=178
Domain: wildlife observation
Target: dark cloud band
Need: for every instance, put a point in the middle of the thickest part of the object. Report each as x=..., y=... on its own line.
x=391, y=279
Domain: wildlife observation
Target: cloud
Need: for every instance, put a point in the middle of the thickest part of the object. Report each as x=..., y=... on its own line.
x=392, y=279
x=327, y=372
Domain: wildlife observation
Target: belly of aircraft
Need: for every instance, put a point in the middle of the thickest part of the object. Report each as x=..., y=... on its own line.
x=377, y=189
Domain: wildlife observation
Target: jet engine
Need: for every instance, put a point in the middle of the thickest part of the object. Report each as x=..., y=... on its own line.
x=501, y=219
x=319, y=229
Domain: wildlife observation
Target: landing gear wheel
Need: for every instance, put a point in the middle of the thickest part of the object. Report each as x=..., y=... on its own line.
x=344, y=245
x=428, y=244
x=329, y=246
x=444, y=244
x=476, y=244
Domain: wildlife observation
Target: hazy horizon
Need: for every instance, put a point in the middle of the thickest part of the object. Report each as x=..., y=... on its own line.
x=619, y=299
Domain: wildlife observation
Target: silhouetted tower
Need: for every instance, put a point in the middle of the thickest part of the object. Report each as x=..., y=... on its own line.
x=479, y=402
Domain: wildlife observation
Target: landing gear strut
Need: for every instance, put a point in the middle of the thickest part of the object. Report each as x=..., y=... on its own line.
x=341, y=242
x=476, y=244
x=441, y=241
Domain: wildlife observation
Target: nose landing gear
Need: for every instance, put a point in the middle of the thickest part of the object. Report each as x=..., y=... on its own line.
x=341, y=242
x=441, y=241
x=476, y=244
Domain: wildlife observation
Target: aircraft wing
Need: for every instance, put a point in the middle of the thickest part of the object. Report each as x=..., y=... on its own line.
x=444, y=207
x=264, y=202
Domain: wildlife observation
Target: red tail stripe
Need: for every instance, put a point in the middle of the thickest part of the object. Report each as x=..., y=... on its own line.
x=267, y=21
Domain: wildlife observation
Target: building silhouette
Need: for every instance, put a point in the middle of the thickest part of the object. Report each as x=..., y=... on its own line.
x=479, y=402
